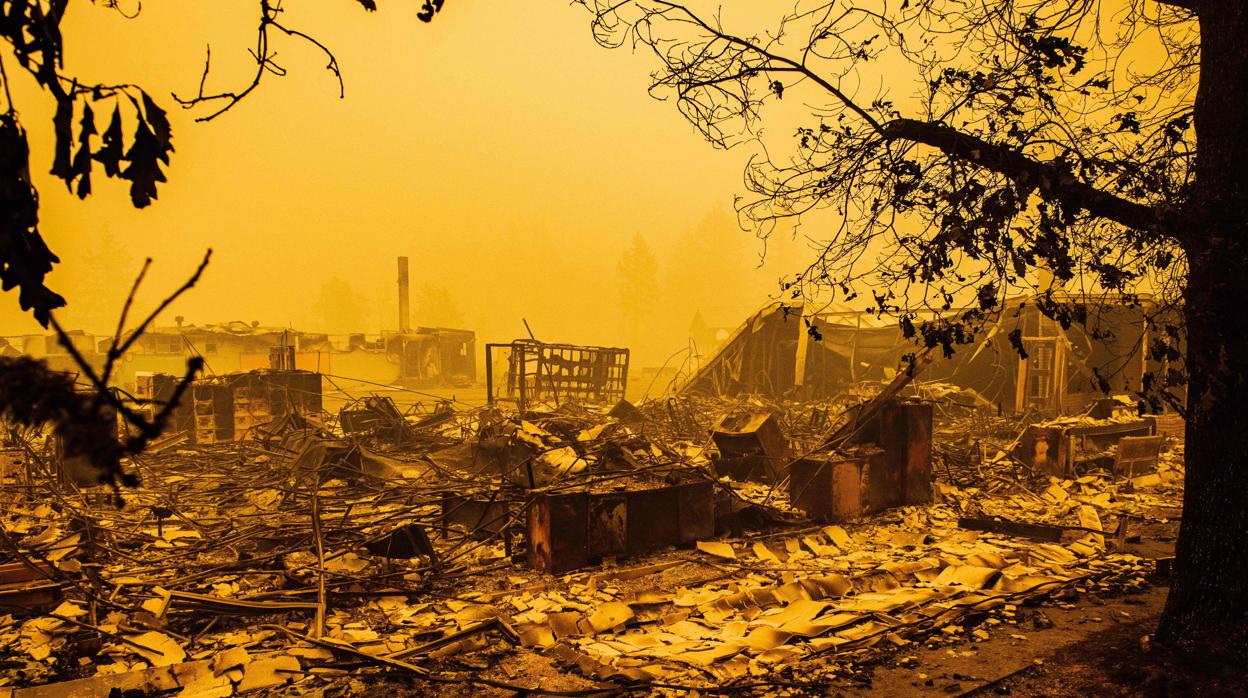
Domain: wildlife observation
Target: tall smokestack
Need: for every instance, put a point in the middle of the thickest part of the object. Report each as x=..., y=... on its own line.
x=404, y=314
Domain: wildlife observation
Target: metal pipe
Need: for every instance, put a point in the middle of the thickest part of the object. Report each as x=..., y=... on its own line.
x=404, y=308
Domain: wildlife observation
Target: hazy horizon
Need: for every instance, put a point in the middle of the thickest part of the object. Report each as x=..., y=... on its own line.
x=514, y=163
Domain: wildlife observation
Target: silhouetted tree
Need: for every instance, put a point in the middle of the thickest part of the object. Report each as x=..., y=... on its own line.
x=340, y=309
x=434, y=306
x=100, y=287
x=716, y=250
x=963, y=142
x=639, y=285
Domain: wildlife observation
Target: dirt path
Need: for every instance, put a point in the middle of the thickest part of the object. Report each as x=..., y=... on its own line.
x=1033, y=651
x=1094, y=646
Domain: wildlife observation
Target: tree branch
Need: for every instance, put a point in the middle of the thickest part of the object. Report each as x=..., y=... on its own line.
x=1052, y=180
x=1189, y=5
x=789, y=64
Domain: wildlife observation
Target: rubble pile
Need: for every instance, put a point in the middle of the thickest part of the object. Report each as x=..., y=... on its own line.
x=413, y=544
x=778, y=599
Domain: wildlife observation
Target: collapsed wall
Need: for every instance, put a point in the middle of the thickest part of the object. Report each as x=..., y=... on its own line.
x=232, y=407
x=772, y=353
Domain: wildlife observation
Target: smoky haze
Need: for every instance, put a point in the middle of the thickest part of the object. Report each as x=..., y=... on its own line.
x=522, y=169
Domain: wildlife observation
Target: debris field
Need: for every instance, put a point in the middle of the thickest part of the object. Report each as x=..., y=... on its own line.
x=686, y=543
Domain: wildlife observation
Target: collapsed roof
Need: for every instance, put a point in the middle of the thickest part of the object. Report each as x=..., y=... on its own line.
x=772, y=353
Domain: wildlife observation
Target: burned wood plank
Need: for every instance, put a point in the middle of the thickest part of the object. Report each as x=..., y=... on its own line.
x=1013, y=528
x=509, y=633
x=241, y=607
x=28, y=586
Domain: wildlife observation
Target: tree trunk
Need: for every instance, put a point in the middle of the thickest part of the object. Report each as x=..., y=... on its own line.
x=1208, y=604
x=1207, y=609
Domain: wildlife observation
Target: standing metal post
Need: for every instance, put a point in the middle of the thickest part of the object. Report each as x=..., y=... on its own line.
x=404, y=299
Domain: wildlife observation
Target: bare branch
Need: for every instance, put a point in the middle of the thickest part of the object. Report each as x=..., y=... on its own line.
x=1189, y=5
x=270, y=10
x=188, y=285
x=113, y=353
x=1052, y=180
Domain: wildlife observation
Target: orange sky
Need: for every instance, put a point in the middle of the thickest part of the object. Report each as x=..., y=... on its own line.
x=499, y=147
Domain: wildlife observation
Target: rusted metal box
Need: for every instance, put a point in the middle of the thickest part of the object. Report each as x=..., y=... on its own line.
x=252, y=405
x=213, y=408
x=263, y=396
x=559, y=532
x=838, y=487
x=906, y=437
x=573, y=530
x=903, y=428
x=1136, y=455
x=649, y=513
x=608, y=525
x=225, y=408
x=751, y=447
x=695, y=512
x=1055, y=449
x=158, y=389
